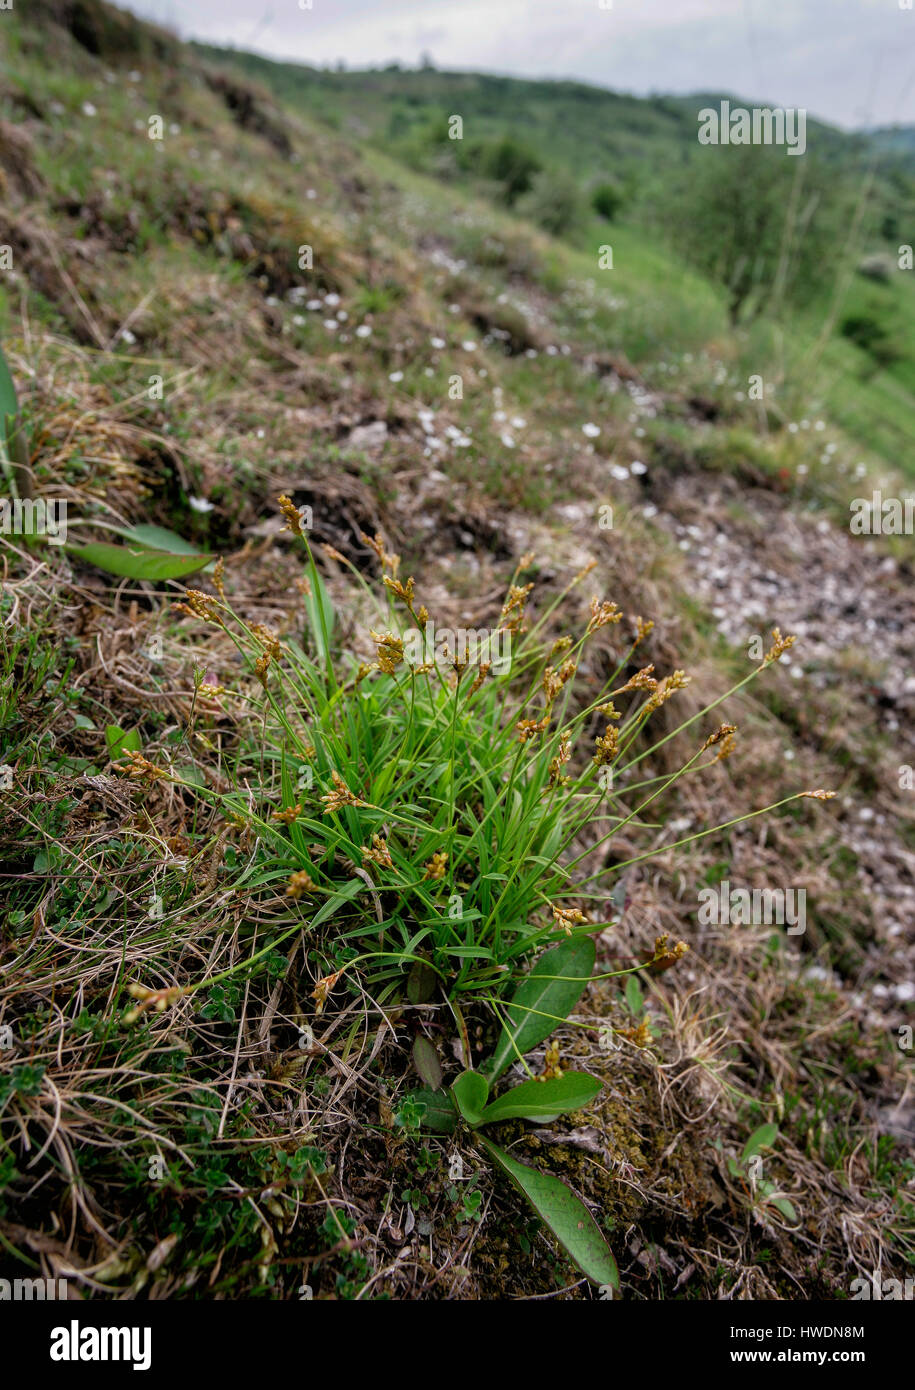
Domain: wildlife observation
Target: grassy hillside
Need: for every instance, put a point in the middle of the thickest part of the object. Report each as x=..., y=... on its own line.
x=210, y=1061
x=850, y=341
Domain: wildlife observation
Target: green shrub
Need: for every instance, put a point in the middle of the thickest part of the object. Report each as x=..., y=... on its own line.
x=606, y=200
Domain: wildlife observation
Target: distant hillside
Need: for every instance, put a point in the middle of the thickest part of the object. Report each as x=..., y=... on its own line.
x=597, y=134
x=897, y=139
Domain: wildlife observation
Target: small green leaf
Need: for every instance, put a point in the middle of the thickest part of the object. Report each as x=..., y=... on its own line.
x=470, y=1091
x=425, y=1060
x=565, y=1214
x=47, y=859
x=540, y=1100
x=187, y=772
x=137, y=564
x=635, y=1000
x=544, y=999
x=421, y=983
x=438, y=1112
x=762, y=1138
x=785, y=1207
x=121, y=741
x=82, y=721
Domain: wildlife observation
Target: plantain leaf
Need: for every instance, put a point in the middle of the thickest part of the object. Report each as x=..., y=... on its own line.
x=121, y=741
x=470, y=1091
x=540, y=1100
x=425, y=1060
x=784, y=1206
x=138, y=564
x=565, y=1214
x=762, y=1138
x=152, y=537
x=544, y=999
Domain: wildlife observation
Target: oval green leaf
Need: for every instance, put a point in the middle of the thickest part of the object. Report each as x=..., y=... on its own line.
x=542, y=1100
x=544, y=999
x=565, y=1214
x=470, y=1092
x=137, y=564
x=425, y=1060
x=121, y=741
x=762, y=1138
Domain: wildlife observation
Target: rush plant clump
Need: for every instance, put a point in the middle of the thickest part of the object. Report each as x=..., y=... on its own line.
x=434, y=808
x=420, y=817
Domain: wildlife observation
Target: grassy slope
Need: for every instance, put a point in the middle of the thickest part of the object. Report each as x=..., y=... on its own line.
x=640, y=144
x=193, y=248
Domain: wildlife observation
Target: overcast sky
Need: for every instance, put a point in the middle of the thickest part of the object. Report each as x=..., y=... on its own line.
x=848, y=61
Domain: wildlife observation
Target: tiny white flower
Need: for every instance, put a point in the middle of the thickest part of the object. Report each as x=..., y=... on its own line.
x=364, y=330
x=89, y=109
x=591, y=431
x=200, y=504
x=395, y=376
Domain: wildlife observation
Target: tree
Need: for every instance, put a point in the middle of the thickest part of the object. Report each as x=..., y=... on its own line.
x=554, y=201
x=765, y=226
x=606, y=200
x=510, y=164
